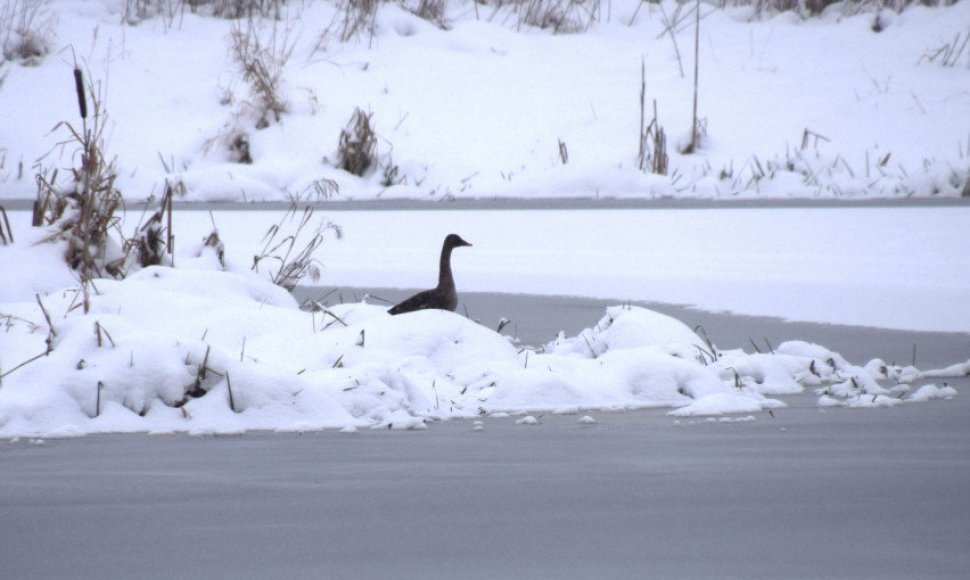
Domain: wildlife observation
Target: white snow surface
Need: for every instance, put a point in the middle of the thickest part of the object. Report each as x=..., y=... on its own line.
x=206, y=349
x=485, y=107
x=477, y=110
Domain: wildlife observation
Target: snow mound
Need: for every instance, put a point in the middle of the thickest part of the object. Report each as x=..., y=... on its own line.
x=201, y=350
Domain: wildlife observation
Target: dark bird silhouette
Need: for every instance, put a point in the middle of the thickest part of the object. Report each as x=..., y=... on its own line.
x=443, y=296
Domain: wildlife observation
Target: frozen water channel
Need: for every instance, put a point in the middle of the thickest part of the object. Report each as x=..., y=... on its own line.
x=807, y=494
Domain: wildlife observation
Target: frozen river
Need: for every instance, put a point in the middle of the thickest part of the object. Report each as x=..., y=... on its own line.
x=806, y=494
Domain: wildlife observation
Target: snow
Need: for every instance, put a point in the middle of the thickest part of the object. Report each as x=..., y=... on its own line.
x=812, y=108
x=206, y=347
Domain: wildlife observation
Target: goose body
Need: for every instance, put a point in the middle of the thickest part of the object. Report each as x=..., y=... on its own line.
x=444, y=296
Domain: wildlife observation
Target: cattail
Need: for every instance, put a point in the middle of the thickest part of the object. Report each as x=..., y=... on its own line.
x=82, y=102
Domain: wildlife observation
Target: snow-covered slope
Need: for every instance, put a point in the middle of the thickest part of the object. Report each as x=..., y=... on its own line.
x=488, y=107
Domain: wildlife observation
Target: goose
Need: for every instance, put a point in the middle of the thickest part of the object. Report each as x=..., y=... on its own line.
x=443, y=296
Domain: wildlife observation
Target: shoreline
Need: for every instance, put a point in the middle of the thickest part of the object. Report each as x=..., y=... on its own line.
x=541, y=203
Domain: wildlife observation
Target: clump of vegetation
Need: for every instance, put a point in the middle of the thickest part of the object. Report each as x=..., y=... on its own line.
x=233, y=9
x=357, y=149
x=81, y=211
x=812, y=8
x=26, y=31
x=432, y=11
x=262, y=52
x=171, y=11
x=561, y=16
x=290, y=244
x=353, y=18
x=6, y=233
x=152, y=243
x=949, y=54
x=652, y=153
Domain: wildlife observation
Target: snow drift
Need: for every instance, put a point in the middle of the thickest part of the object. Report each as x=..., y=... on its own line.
x=201, y=350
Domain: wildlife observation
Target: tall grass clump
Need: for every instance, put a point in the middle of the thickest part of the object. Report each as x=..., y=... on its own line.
x=234, y=9
x=170, y=12
x=357, y=149
x=432, y=11
x=27, y=32
x=813, y=8
x=560, y=16
x=950, y=53
x=289, y=247
x=652, y=152
x=262, y=51
x=353, y=18
x=153, y=243
x=81, y=211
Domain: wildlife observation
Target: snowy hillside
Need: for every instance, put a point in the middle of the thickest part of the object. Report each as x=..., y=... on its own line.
x=476, y=102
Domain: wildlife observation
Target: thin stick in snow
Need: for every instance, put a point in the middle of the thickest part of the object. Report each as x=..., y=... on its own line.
x=51, y=333
x=697, y=36
x=232, y=401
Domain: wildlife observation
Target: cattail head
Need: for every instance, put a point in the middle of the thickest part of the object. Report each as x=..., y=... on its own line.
x=82, y=101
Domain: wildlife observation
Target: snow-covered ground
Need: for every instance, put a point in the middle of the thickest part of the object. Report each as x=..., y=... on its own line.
x=482, y=107
x=488, y=107
x=206, y=348
x=741, y=460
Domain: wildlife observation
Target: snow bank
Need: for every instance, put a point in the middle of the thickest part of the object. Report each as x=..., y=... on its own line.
x=823, y=107
x=200, y=349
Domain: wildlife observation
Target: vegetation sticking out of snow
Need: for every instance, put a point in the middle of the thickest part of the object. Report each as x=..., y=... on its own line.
x=210, y=348
x=243, y=100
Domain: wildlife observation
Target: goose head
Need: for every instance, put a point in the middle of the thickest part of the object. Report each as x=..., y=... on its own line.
x=454, y=240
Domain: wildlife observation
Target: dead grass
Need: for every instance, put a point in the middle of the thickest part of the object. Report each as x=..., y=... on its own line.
x=262, y=51
x=81, y=211
x=561, y=16
x=357, y=149
x=289, y=247
x=652, y=152
x=354, y=18
x=813, y=8
x=27, y=30
x=6, y=233
x=949, y=53
x=152, y=243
